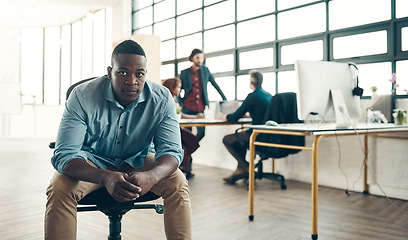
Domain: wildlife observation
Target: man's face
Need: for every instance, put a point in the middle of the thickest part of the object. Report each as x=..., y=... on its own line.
x=198, y=59
x=127, y=75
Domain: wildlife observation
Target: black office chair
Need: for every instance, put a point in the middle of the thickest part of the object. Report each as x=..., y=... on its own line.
x=282, y=109
x=101, y=200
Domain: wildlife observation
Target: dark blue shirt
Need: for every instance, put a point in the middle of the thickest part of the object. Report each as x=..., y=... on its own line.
x=256, y=103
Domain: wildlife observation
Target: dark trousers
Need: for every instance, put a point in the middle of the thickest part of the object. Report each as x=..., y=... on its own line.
x=200, y=130
x=238, y=146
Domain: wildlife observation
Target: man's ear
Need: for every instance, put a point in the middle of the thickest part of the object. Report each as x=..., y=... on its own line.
x=109, y=69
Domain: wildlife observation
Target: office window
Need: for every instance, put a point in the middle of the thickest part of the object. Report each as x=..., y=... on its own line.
x=227, y=86
x=312, y=51
x=76, y=60
x=287, y=81
x=247, y=9
x=375, y=74
x=348, y=13
x=302, y=21
x=87, y=39
x=402, y=77
x=98, y=55
x=404, y=39
x=401, y=8
x=53, y=58
x=65, y=61
x=285, y=4
x=220, y=63
x=186, y=44
x=52, y=66
x=187, y=5
x=269, y=82
x=31, y=65
x=164, y=10
x=219, y=39
x=256, y=31
x=143, y=18
x=139, y=4
x=167, y=71
x=209, y=2
x=189, y=23
x=167, y=50
x=165, y=29
x=243, y=87
x=145, y=30
x=219, y=14
x=256, y=59
x=183, y=65
x=360, y=45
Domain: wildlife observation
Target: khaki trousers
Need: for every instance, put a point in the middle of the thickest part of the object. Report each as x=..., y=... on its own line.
x=64, y=192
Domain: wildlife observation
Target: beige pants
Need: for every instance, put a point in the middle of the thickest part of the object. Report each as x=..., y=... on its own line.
x=64, y=192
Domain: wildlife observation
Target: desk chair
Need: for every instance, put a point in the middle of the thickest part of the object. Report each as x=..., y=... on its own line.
x=101, y=200
x=282, y=109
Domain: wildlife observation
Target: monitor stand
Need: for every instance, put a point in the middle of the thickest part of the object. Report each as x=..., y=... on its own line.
x=340, y=109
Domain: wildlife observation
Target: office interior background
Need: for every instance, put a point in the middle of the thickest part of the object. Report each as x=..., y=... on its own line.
x=48, y=45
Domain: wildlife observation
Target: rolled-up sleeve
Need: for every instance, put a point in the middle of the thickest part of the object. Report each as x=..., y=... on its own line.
x=71, y=134
x=167, y=138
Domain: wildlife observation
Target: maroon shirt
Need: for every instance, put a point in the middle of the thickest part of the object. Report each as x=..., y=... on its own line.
x=194, y=100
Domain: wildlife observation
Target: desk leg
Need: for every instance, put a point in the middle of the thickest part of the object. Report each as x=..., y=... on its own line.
x=365, y=188
x=251, y=174
x=315, y=184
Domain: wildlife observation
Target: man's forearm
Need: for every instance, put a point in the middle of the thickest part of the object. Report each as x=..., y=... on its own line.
x=79, y=169
x=165, y=165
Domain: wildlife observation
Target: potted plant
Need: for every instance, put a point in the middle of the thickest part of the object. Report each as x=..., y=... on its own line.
x=400, y=116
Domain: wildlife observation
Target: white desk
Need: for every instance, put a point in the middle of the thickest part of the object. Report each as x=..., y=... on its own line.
x=202, y=122
x=318, y=132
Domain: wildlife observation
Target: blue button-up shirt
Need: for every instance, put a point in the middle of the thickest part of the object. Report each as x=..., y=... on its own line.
x=96, y=127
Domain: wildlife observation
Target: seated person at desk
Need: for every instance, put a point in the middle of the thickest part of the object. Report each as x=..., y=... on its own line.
x=188, y=140
x=105, y=139
x=256, y=103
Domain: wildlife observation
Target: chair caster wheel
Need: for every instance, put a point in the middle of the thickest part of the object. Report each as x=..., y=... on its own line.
x=283, y=187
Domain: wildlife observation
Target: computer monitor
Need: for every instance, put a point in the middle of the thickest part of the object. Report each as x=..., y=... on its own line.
x=325, y=90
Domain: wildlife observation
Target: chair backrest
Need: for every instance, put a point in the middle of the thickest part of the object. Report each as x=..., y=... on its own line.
x=282, y=109
x=76, y=84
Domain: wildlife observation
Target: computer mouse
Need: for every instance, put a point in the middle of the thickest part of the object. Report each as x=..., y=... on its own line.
x=271, y=123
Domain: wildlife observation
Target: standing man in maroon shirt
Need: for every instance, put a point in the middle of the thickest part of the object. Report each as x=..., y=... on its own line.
x=194, y=81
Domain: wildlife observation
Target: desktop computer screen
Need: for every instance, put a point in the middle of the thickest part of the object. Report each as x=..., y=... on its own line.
x=325, y=89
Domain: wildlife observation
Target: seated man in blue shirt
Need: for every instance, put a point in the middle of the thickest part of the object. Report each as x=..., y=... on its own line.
x=256, y=103
x=105, y=139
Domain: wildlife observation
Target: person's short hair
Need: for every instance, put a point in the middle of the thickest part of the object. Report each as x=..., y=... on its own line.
x=171, y=83
x=128, y=47
x=256, y=78
x=194, y=52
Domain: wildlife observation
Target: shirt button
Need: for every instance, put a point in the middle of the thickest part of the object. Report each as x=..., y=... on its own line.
x=197, y=96
x=121, y=127
x=118, y=143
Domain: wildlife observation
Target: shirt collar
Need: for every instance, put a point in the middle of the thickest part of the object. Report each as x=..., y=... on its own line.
x=110, y=96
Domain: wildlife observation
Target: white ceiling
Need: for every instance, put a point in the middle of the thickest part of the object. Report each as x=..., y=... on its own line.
x=42, y=13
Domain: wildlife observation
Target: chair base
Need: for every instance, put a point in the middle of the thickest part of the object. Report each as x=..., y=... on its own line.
x=100, y=200
x=272, y=176
x=260, y=175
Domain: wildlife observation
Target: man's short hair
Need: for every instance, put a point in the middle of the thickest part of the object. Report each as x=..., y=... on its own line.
x=128, y=47
x=256, y=78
